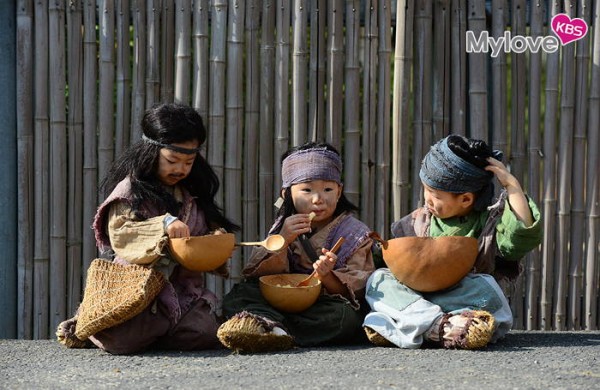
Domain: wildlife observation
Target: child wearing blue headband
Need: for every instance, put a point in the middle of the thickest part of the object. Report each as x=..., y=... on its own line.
x=457, y=176
x=313, y=215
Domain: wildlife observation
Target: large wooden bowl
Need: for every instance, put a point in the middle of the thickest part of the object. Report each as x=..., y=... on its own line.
x=202, y=253
x=280, y=292
x=430, y=264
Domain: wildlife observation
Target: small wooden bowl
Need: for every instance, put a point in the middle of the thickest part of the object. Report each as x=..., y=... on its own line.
x=202, y=253
x=280, y=292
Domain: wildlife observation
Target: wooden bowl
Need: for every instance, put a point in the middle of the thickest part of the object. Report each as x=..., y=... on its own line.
x=202, y=253
x=430, y=264
x=278, y=290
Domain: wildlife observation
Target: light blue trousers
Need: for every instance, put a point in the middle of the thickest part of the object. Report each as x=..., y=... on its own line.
x=403, y=315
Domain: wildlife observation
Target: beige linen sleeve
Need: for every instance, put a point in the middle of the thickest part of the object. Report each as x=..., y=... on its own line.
x=262, y=262
x=356, y=272
x=138, y=242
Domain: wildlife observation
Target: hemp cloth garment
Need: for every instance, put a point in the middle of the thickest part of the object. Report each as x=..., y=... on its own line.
x=183, y=316
x=402, y=315
x=337, y=318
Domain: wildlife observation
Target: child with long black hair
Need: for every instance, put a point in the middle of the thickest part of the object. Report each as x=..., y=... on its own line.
x=312, y=183
x=160, y=188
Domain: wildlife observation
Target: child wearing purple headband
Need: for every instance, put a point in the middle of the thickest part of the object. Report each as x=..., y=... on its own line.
x=312, y=187
x=457, y=176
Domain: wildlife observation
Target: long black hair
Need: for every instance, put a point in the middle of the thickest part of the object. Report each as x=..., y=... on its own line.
x=287, y=208
x=168, y=123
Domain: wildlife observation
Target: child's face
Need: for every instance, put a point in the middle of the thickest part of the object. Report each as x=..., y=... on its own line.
x=318, y=196
x=444, y=204
x=174, y=166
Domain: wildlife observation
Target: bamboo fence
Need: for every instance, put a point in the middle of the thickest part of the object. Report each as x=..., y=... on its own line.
x=380, y=80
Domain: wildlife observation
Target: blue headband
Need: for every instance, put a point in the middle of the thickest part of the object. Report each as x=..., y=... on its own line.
x=443, y=170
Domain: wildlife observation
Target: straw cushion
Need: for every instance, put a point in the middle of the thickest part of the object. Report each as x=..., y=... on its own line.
x=202, y=253
x=430, y=264
x=115, y=293
x=249, y=333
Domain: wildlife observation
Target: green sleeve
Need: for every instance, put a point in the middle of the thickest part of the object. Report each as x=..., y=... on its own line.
x=514, y=239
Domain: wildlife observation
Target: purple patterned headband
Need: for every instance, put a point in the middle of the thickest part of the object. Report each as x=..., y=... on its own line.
x=311, y=164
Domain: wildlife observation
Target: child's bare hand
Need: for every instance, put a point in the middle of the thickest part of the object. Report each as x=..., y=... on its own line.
x=178, y=229
x=505, y=178
x=294, y=225
x=325, y=264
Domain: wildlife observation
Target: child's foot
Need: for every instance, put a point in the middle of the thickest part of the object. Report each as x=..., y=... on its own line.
x=249, y=333
x=377, y=339
x=471, y=329
x=65, y=334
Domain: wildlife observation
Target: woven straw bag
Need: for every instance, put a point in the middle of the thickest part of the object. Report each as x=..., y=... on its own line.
x=115, y=293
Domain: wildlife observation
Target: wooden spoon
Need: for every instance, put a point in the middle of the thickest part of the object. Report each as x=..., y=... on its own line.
x=305, y=282
x=273, y=243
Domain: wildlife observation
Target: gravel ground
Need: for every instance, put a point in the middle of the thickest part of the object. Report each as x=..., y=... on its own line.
x=523, y=360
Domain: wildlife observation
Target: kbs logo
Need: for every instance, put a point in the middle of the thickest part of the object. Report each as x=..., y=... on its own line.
x=566, y=29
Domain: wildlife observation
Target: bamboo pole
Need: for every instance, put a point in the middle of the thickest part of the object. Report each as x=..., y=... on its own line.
x=9, y=155
x=382, y=172
x=400, y=109
x=335, y=75
x=235, y=123
x=139, y=69
x=153, y=15
x=250, y=201
x=565, y=158
x=25, y=167
x=458, y=90
x=106, y=67
x=282, y=65
x=123, y=77
x=422, y=138
x=183, y=53
x=517, y=160
x=478, y=65
x=316, y=109
x=41, y=250
x=267, y=187
x=58, y=166
x=167, y=46
x=577, y=230
x=499, y=127
x=216, y=114
x=90, y=153
x=441, y=69
x=299, y=72
x=352, y=103
x=201, y=41
x=550, y=180
x=518, y=101
x=593, y=184
x=369, y=124
x=532, y=288
x=75, y=157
